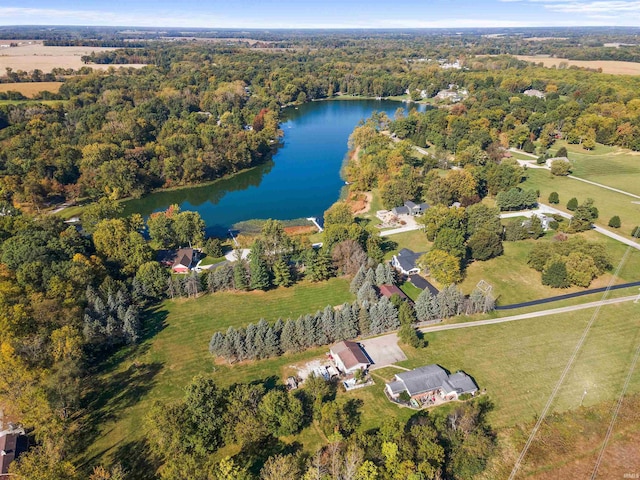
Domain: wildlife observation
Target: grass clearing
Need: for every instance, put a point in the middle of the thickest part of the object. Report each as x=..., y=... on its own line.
x=415, y=240
x=608, y=203
x=514, y=281
x=614, y=67
x=519, y=363
x=612, y=166
x=164, y=364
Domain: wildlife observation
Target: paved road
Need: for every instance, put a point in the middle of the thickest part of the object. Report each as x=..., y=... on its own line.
x=525, y=316
x=566, y=296
x=394, y=231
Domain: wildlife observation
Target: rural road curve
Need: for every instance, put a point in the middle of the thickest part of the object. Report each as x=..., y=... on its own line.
x=524, y=316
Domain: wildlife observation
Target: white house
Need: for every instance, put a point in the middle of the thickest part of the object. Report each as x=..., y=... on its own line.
x=406, y=261
x=349, y=357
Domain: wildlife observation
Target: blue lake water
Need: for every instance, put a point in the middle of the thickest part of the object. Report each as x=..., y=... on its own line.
x=302, y=180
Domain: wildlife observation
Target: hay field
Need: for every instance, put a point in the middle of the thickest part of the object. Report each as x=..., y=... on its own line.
x=607, y=66
x=31, y=89
x=29, y=56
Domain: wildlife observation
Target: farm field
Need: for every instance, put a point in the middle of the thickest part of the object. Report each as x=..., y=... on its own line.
x=31, y=89
x=608, y=203
x=613, y=67
x=178, y=350
x=514, y=281
x=36, y=56
x=612, y=166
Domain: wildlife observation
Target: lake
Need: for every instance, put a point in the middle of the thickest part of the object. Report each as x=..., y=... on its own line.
x=302, y=180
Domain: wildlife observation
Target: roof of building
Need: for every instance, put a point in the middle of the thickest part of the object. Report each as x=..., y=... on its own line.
x=184, y=257
x=350, y=354
x=390, y=290
x=410, y=204
x=400, y=210
x=407, y=259
x=430, y=378
x=422, y=283
x=423, y=379
x=9, y=447
x=532, y=92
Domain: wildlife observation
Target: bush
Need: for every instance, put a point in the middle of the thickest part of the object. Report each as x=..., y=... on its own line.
x=560, y=168
x=572, y=204
x=485, y=245
x=614, y=222
x=562, y=152
x=464, y=396
x=636, y=232
x=555, y=275
x=554, y=198
x=529, y=147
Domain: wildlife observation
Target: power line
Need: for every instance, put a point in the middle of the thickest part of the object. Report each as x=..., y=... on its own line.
x=567, y=368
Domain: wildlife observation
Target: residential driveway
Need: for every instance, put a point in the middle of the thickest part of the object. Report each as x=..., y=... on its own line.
x=383, y=351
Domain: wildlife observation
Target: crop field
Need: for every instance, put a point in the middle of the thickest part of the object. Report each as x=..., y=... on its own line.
x=612, y=166
x=613, y=67
x=28, y=57
x=31, y=89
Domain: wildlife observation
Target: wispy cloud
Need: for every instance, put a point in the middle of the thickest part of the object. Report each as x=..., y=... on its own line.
x=609, y=9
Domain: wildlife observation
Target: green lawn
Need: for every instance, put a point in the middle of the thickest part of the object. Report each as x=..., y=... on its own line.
x=33, y=102
x=410, y=290
x=608, y=203
x=415, y=240
x=514, y=281
x=519, y=363
x=612, y=166
x=164, y=364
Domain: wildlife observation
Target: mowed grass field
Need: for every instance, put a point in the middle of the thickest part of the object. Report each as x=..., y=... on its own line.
x=31, y=89
x=519, y=363
x=612, y=166
x=609, y=203
x=177, y=350
x=513, y=281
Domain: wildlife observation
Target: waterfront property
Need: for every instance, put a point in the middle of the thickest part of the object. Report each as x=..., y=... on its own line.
x=410, y=208
x=183, y=261
x=406, y=261
x=13, y=442
x=430, y=384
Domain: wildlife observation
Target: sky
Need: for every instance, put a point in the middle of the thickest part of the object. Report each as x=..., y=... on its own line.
x=322, y=13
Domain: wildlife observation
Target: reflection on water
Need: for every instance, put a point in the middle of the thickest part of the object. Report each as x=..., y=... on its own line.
x=303, y=179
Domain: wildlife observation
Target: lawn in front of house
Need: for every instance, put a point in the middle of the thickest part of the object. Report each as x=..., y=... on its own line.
x=165, y=363
x=415, y=240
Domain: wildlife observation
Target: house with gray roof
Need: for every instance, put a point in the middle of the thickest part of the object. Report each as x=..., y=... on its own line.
x=430, y=381
x=406, y=261
x=411, y=208
x=401, y=210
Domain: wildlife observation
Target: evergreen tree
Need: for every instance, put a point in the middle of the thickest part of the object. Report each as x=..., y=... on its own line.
x=370, y=277
x=271, y=343
x=259, y=277
x=450, y=302
x=288, y=341
x=364, y=320
x=367, y=293
x=320, y=335
x=239, y=344
x=572, y=204
x=389, y=313
x=615, y=222
x=406, y=314
x=554, y=198
x=282, y=274
x=328, y=323
x=216, y=344
x=230, y=344
x=390, y=276
x=555, y=275
x=358, y=280
x=424, y=305
x=378, y=323
x=381, y=275
x=249, y=342
x=301, y=338
x=240, y=276
x=131, y=325
x=260, y=338
x=347, y=325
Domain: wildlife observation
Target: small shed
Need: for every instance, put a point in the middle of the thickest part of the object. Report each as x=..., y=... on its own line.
x=349, y=357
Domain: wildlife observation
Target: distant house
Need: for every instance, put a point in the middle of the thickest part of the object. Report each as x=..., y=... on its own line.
x=545, y=220
x=349, y=357
x=416, y=208
x=391, y=290
x=405, y=261
x=401, y=211
x=183, y=260
x=532, y=92
x=13, y=442
x=431, y=381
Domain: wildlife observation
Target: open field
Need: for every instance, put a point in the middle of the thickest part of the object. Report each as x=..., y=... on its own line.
x=519, y=363
x=33, y=102
x=608, y=203
x=31, y=89
x=608, y=66
x=612, y=166
x=36, y=56
x=178, y=349
x=514, y=281
x=415, y=240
